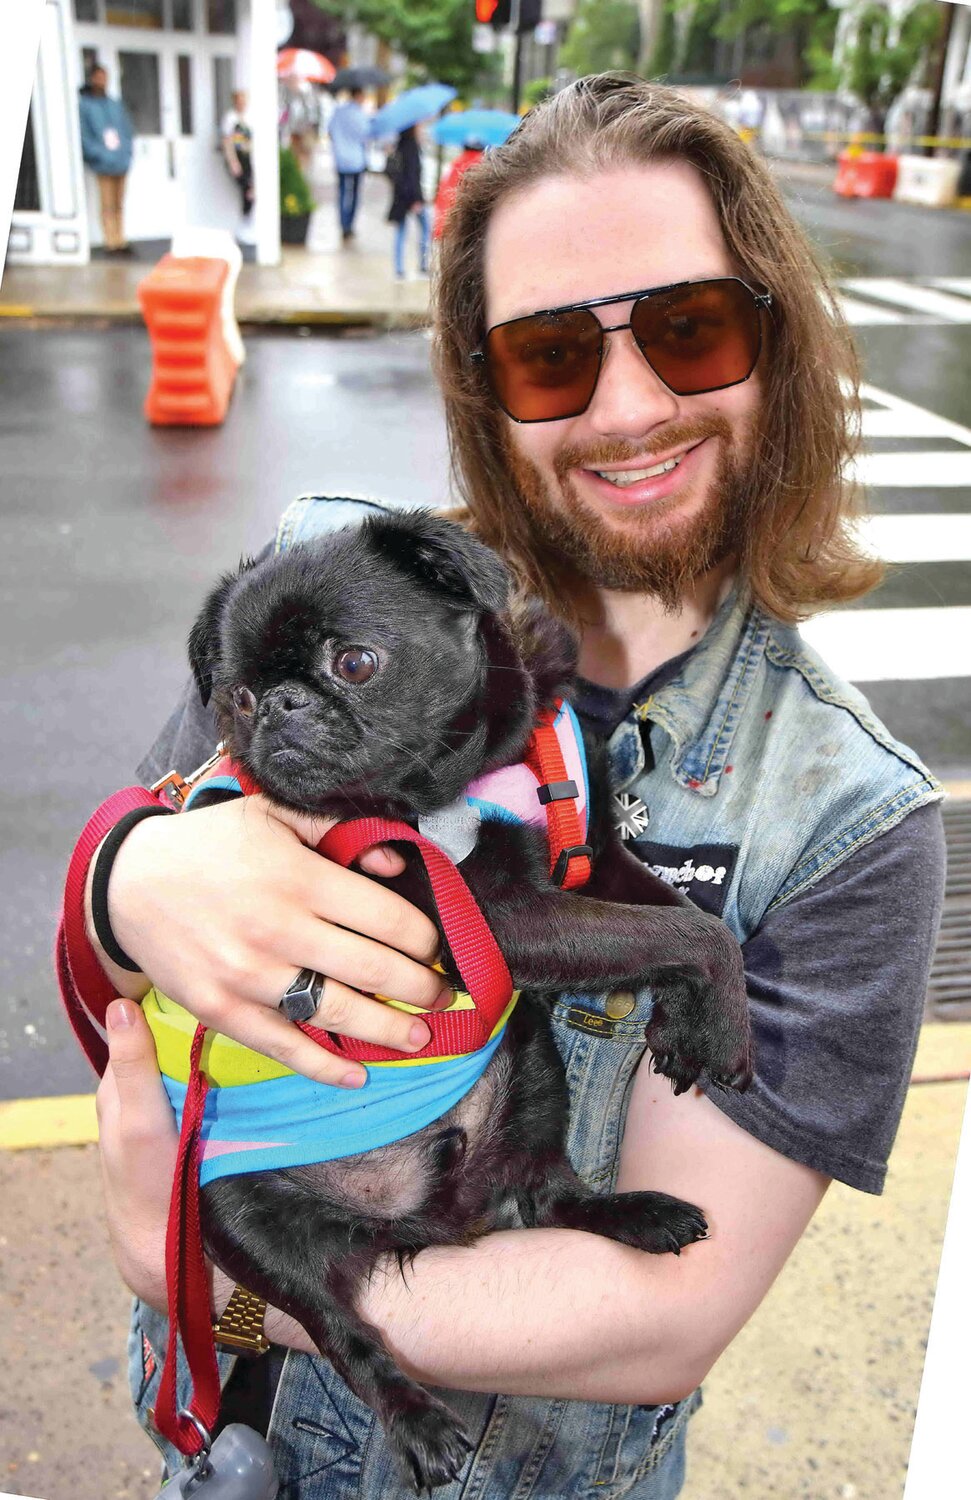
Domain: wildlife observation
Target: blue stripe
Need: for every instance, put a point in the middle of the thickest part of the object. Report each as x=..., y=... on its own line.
x=304, y=1122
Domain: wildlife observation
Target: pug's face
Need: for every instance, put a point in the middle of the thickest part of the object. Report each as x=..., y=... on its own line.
x=346, y=672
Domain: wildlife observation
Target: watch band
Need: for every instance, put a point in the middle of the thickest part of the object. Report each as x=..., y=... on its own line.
x=240, y=1324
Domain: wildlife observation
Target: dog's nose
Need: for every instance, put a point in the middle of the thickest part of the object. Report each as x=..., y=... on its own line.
x=293, y=699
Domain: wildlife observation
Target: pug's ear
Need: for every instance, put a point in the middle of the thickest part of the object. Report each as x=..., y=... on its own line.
x=443, y=554
x=205, y=636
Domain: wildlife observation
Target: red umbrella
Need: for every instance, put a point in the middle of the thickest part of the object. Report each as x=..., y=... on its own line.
x=297, y=65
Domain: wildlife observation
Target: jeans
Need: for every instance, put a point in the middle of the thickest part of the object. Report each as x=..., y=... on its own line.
x=421, y=214
x=348, y=188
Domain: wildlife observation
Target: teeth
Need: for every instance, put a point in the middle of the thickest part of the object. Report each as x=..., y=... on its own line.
x=634, y=476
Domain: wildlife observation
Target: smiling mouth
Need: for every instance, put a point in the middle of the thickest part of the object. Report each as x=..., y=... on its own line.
x=622, y=478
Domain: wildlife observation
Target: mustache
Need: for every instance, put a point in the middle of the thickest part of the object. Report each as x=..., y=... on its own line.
x=620, y=450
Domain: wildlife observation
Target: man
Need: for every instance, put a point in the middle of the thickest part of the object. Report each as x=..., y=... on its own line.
x=106, y=146
x=348, y=131
x=662, y=459
x=236, y=137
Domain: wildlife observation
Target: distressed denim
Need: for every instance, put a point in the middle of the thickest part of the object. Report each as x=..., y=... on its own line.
x=765, y=772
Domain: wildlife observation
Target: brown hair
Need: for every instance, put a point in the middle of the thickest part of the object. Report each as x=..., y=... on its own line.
x=800, y=550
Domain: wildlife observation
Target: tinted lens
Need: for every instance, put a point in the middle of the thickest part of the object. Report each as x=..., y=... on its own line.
x=541, y=368
x=701, y=337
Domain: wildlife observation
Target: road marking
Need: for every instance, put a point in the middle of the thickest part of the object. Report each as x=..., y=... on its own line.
x=860, y=314
x=917, y=539
x=959, y=284
x=887, y=645
x=913, y=298
x=931, y=470
x=908, y=413
x=36, y=1124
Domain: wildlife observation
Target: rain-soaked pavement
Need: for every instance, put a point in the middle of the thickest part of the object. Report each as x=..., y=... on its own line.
x=111, y=533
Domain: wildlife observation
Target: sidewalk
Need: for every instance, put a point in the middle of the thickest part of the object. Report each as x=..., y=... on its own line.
x=815, y=1398
x=326, y=282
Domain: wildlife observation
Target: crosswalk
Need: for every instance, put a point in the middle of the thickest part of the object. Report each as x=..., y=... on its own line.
x=872, y=301
x=914, y=643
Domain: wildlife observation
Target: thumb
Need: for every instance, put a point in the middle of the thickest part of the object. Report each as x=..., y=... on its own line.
x=131, y=1097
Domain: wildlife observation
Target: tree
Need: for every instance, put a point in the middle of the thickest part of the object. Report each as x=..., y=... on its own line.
x=604, y=34
x=875, y=69
x=434, y=35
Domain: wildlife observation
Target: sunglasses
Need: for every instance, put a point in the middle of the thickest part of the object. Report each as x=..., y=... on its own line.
x=697, y=336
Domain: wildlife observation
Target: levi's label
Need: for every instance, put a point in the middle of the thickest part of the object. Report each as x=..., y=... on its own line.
x=704, y=872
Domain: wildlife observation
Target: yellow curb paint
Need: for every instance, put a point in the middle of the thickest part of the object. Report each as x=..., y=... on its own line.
x=13, y=310
x=958, y=791
x=34, y=1124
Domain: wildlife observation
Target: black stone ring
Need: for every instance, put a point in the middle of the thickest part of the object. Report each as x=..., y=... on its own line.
x=301, y=1000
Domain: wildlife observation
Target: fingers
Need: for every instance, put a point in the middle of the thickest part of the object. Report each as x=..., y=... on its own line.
x=131, y=1097
x=354, y=901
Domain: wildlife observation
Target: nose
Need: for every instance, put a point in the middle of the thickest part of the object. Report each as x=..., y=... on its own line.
x=630, y=400
x=289, y=698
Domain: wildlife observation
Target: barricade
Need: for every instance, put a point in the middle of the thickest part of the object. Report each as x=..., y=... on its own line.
x=216, y=244
x=865, y=174
x=193, y=368
x=929, y=180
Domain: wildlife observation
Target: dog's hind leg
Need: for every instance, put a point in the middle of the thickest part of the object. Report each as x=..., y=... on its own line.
x=537, y=1169
x=275, y=1235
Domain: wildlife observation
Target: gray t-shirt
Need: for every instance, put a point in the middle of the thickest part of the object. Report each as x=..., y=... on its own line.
x=836, y=1002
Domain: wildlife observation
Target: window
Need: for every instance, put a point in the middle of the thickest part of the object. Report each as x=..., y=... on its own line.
x=221, y=17
x=140, y=91
x=181, y=15
x=223, y=84
x=145, y=14
x=185, y=95
x=27, y=195
x=89, y=59
x=85, y=10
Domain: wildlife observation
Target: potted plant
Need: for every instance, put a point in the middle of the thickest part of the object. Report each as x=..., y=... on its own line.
x=296, y=203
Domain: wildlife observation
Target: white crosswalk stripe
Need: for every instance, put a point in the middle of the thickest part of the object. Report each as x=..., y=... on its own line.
x=876, y=300
x=908, y=644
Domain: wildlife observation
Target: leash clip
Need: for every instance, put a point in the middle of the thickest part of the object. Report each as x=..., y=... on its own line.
x=176, y=787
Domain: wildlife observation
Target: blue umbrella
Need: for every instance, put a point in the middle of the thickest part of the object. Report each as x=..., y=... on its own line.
x=411, y=107
x=490, y=126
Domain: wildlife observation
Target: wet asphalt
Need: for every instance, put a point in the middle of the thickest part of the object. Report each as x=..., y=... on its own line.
x=111, y=532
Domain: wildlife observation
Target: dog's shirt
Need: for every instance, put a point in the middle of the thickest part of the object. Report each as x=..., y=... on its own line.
x=262, y=1115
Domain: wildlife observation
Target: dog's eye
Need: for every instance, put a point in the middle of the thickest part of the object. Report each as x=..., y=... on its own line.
x=355, y=664
x=244, y=701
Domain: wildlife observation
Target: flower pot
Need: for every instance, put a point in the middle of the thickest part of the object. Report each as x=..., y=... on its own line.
x=293, y=228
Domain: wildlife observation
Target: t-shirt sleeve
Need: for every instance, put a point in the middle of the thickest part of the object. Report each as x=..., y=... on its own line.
x=836, y=981
x=187, y=739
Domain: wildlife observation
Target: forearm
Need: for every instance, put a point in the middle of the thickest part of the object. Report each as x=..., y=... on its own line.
x=538, y=1312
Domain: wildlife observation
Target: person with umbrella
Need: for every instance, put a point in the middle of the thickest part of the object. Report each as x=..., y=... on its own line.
x=408, y=199
x=348, y=131
x=472, y=150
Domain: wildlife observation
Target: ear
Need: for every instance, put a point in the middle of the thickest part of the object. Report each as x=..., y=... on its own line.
x=205, y=635
x=443, y=554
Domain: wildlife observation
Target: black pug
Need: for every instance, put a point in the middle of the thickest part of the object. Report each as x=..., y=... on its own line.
x=380, y=670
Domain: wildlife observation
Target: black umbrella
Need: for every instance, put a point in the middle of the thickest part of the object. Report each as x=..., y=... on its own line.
x=358, y=78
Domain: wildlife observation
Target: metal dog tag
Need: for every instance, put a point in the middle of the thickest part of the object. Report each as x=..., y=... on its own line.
x=239, y=1466
x=455, y=829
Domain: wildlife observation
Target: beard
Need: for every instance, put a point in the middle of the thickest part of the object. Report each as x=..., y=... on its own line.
x=654, y=551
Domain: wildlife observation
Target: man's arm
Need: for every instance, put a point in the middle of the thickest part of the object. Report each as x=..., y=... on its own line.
x=544, y=1312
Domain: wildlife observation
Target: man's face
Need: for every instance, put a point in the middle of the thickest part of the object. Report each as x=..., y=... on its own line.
x=240, y=101
x=99, y=80
x=568, y=239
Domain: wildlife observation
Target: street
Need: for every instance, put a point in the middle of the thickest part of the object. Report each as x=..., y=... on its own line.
x=112, y=532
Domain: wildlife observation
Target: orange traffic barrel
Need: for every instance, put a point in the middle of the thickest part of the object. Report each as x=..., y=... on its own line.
x=865, y=174
x=193, y=369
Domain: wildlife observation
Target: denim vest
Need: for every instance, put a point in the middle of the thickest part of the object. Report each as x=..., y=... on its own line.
x=765, y=773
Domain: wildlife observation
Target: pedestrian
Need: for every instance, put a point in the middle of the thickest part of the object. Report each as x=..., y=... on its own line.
x=471, y=153
x=348, y=131
x=407, y=199
x=663, y=459
x=106, y=146
x=236, y=137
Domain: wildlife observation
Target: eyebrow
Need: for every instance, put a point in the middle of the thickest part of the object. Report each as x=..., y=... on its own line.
x=668, y=286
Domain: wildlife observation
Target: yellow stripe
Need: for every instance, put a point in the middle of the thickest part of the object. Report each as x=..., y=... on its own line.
x=228, y=1064
x=32, y=1124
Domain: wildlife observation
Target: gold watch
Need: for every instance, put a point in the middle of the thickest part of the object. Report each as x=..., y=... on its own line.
x=240, y=1325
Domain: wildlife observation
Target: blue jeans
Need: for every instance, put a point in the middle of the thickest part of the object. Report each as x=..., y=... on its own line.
x=348, y=188
x=421, y=214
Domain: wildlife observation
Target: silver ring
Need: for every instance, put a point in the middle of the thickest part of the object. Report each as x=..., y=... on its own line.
x=301, y=1000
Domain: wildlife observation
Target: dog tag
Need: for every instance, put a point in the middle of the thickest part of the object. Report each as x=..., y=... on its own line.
x=239, y=1466
x=455, y=829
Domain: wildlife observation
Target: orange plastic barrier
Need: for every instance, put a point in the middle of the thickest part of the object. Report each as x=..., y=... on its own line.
x=192, y=367
x=865, y=174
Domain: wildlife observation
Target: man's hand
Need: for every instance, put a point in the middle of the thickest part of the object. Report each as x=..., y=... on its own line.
x=138, y=1143
x=224, y=906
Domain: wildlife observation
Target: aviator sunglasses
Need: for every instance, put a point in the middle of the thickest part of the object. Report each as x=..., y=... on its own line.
x=697, y=336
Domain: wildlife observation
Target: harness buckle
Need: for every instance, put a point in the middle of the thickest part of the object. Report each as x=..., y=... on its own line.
x=557, y=791
x=562, y=866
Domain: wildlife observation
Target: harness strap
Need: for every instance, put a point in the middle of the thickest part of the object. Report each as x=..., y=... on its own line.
x=570, y=858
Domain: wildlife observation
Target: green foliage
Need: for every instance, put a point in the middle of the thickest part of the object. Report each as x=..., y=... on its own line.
x=604, y=34
x=434, y=35
x=295, y=196
x=537, y=90
x=876, y=71
x=690, y=30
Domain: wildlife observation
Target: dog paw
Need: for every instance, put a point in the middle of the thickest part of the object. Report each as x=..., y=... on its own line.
x=692, y=1032
x=655, y=1222
x=431, y=1443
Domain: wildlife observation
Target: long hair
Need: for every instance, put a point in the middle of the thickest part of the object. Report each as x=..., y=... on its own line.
x=800, y=550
